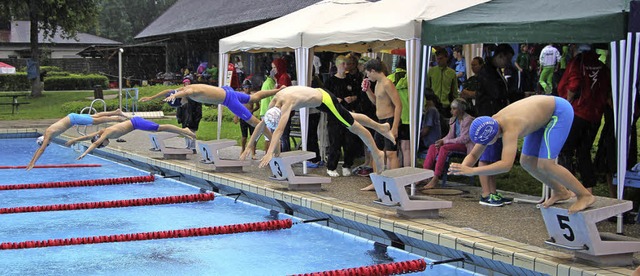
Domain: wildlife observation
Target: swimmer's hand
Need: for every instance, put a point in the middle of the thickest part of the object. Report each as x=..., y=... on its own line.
x=145, y=99
x=248, y=150
x=81, y=156
x=266, y=159
x=459, y=169
x=69, y=143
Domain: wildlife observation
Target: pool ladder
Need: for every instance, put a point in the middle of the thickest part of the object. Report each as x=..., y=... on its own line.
x=90, y=110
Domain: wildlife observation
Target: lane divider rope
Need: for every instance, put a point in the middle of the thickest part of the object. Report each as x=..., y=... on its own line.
x=170, y=234
x=379, y=269
x=110, y=204
x=52, y=166
x=80, y=183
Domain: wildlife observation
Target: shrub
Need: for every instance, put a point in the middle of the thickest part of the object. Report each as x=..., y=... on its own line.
x=14, y=82
x=74, y=82
x=50, y=69
x=57, y=74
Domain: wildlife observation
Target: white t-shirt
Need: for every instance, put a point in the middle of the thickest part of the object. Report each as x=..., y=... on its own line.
x=549, y=56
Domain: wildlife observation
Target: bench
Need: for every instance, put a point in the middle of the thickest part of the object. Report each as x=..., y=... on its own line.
x=209, y=151
x=578, y=232
x=390, y=189
x=158, y=144
x=282, y=169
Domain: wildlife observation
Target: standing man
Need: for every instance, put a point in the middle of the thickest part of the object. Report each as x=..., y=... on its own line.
x=491, y=97
x=443, y=81
x=549, y=63
x=388, y=110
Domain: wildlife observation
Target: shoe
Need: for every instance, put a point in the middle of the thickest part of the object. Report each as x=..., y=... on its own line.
x=505, y=200
x=312, y=165
x=346, y=172
x=194, y=151
x=333, y=173
x=365, y=171
x=491, y=200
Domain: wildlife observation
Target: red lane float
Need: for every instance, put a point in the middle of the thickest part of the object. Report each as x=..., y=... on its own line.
x=380, y=269
x=111, y=204
x=52, y=166
x=80, y=183
x=182, y=233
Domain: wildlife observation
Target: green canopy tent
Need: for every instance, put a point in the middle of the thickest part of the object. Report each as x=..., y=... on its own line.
x=541, y=21
x=561, y=21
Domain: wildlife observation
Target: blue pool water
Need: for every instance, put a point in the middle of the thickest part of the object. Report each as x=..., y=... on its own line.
x=303, y=248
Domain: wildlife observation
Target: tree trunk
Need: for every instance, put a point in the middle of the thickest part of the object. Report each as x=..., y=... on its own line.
x=36, y=84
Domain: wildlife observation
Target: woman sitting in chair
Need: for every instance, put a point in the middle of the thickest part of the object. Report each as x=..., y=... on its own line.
x=457, y=140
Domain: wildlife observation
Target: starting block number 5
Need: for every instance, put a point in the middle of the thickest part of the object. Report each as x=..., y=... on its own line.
x=568, y=231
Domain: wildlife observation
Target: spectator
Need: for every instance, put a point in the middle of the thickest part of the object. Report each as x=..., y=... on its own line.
x=461, y=66
x=269, y=83
x=283, y=79
x=245, y=128
x=340, y=139
x=314, y=121
x=189, y=116
x=523, y=64
x=239, y=68
x=549, y=63
x=430, y=130
x=457, y=140
x=586, y=85
x=388, y=110
x=443, y=81
x=212, y=74
x=399, y=79
x=470, y=86
x=491, y=97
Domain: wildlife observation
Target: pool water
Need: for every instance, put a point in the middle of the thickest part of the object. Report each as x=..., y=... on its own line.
x=303, y=248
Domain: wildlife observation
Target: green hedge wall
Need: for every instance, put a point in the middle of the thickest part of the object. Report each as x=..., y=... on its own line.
x=14, y=82
x=75, y=82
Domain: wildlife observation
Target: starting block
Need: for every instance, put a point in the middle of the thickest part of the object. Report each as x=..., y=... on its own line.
x=390, y=189
x=157, y=144
x=578, y=232
x=282, y=169
x=210, y=155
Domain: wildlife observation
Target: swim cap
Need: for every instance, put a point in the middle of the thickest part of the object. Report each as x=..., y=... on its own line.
x=272, y=117
x=483, y=129
x=40, y=140
x=176, y=102
x=103, y=144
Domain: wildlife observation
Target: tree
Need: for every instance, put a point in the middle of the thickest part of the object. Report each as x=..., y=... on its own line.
x=52, y=17
x=121, y=20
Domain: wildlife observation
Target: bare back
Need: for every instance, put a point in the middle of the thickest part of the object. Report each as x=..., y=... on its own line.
x=526, y=116
x=118, y=129
x=206, y=94
x=296, y=97
x=58, y=127
x=384, y=105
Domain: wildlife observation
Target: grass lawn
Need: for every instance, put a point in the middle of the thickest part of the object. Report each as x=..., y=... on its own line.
x=49, y=107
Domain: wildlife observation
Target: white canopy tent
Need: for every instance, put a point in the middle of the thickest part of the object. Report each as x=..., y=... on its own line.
x=6, y=68
x=348, y=25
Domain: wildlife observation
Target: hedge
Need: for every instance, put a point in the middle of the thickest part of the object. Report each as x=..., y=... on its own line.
x=75, y=82
x=14, y=82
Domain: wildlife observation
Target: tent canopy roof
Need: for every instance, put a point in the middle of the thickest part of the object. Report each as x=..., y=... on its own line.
x=541, y=21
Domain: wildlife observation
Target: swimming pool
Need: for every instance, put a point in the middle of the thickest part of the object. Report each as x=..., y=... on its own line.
x=302, y=249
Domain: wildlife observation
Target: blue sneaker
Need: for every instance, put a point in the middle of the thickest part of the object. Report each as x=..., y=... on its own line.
x=491, y=200
x=505, y=200
x=315, y=165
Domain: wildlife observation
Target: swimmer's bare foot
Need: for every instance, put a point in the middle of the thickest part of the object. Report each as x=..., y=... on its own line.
x=386, y=127
x=557, y=196
x=582, y=202
x=120, y=113
x=433, y=183
x=189, y=133
x=369, y=188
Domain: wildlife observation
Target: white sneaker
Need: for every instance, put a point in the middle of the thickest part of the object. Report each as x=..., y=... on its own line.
x=333, y=173
x=346, y=172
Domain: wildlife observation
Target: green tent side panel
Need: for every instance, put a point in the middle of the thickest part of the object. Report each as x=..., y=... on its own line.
x=540, y=21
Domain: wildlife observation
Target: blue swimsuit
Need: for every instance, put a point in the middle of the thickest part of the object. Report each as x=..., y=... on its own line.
x=80, y=119
x=548, y=141
x=142, y=124
x=234, y=100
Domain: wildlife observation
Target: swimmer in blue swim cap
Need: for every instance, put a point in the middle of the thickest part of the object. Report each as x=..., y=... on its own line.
x=544, y=122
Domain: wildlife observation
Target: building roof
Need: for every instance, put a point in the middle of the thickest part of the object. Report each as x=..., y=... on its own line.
x=20, y=31
x=191, y=15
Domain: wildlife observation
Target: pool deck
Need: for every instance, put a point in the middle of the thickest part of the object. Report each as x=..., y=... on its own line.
x=513, y=234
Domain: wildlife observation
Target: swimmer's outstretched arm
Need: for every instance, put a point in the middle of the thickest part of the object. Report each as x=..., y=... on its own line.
x=83, y=138
x=182, y=92
x=93, y=146
x=256, y=97
x=160, y=94
x=275, y=136
x=259, y=129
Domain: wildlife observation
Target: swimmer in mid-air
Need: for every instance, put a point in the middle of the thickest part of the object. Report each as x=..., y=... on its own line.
x=296, y=97
x=69, y=121
x=100, y=138
x=544, y=122
x=225, y=95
